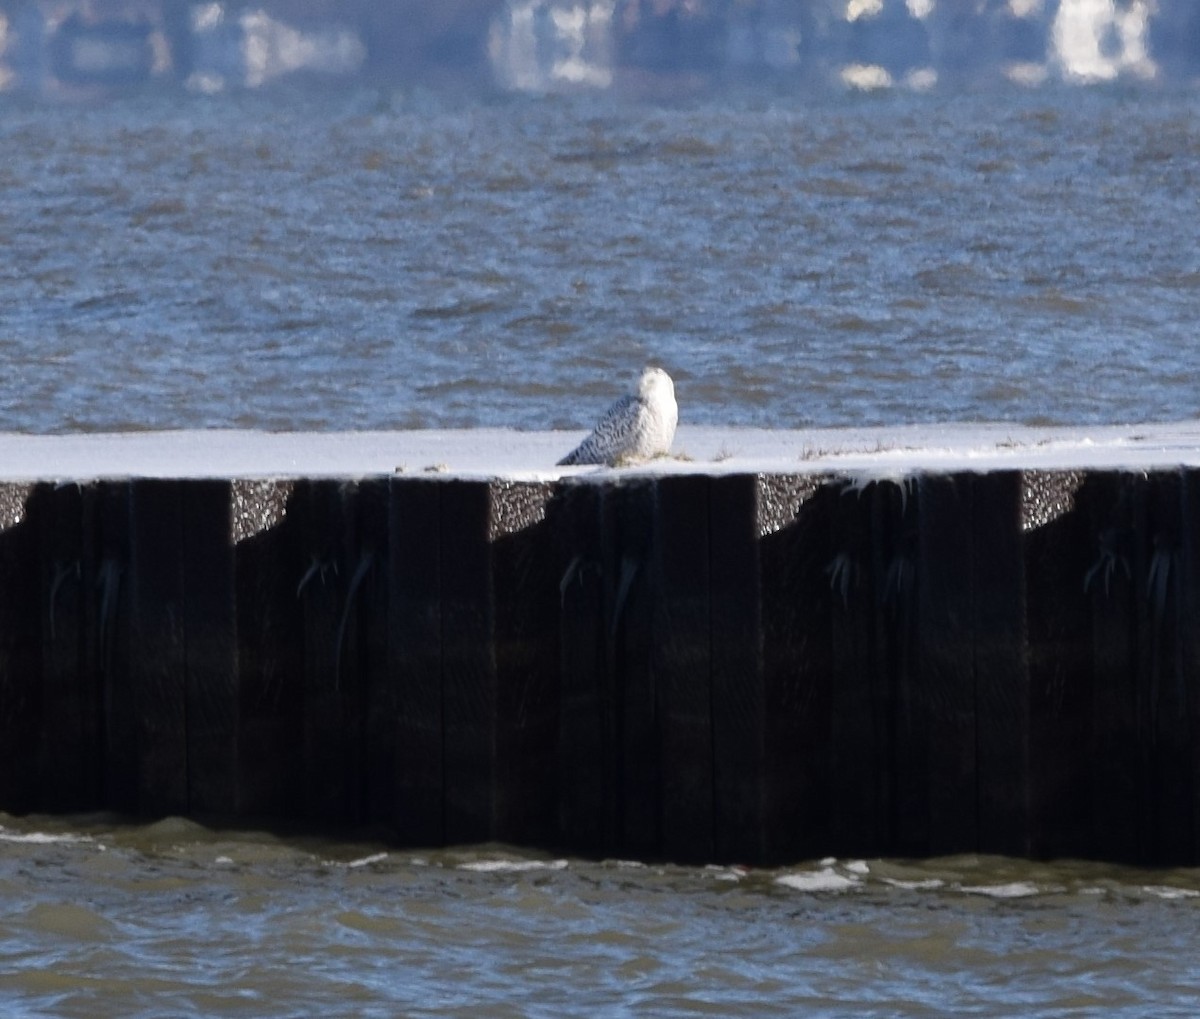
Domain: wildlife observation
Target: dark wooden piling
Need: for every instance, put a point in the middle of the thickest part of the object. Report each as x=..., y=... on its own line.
x=795, y=646
x=1168, y=629
x=324, y=519
x=71, y=735
x=107, y=510
x=865, y=774
x=740, y=828
x=21, y=697
x=211, y=658
x=157, y=673
x=525, y=580
x=1189, y=654
x=681, y=663
x=627, y=536
x=743, y=667
x=408, y=711
x=944, y=694
x=365, y=652
x=468, y=664
x=269, y=643
x=1001, y=664
x=585, y=784
x=973, y=685
x=1057, y=548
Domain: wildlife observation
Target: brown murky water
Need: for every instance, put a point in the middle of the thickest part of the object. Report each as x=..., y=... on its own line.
x=100, y=918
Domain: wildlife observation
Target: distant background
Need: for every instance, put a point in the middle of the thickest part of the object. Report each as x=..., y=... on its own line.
x=643, y=46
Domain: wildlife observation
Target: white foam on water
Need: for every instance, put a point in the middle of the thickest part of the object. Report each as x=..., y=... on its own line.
x=1009, y=890
x=923, y=885
x=827, y=879
x=512, y=866
x=366, y=861
x=720, y=873
x=39, y=838
x=1168, y=892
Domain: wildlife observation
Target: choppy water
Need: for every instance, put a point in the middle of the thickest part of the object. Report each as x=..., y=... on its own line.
x=370, y=259
x=102, y=919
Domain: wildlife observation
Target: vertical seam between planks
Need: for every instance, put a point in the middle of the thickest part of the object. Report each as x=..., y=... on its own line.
x=710, y=485
x=441, y=649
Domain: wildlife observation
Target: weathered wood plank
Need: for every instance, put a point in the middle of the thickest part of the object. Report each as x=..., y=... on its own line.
x=628, y=512
x=415, y=656
x=1189, y=649
x=158, y=659
x=366, y=652
x=270, y=650
x=1001, y=665
x=736, y=670
x=71, y=735
x=946, y=586
x=330, y=767
x=1099, y=758
x=681, y=659
x=468, y=662
x=106, y=571
x=1169, y=793
x=799, y=603
x=525, y=638
x=859, y=749
x=21, y=690
x=211, y=646
x=586, y=787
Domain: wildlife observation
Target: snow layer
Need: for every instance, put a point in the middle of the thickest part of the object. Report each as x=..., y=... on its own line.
x=498, y=453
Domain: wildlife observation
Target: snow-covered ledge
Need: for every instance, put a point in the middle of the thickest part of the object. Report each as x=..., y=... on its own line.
x=530, y=456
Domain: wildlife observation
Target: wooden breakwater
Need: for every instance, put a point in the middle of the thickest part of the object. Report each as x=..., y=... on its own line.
x=744, y=667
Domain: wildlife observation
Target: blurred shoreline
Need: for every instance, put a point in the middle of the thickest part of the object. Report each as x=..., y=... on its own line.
x=640, y=46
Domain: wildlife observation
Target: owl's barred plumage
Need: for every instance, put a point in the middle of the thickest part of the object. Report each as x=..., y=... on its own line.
x=637, y=427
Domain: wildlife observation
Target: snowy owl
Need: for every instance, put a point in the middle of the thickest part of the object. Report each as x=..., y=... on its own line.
x=638, y=426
